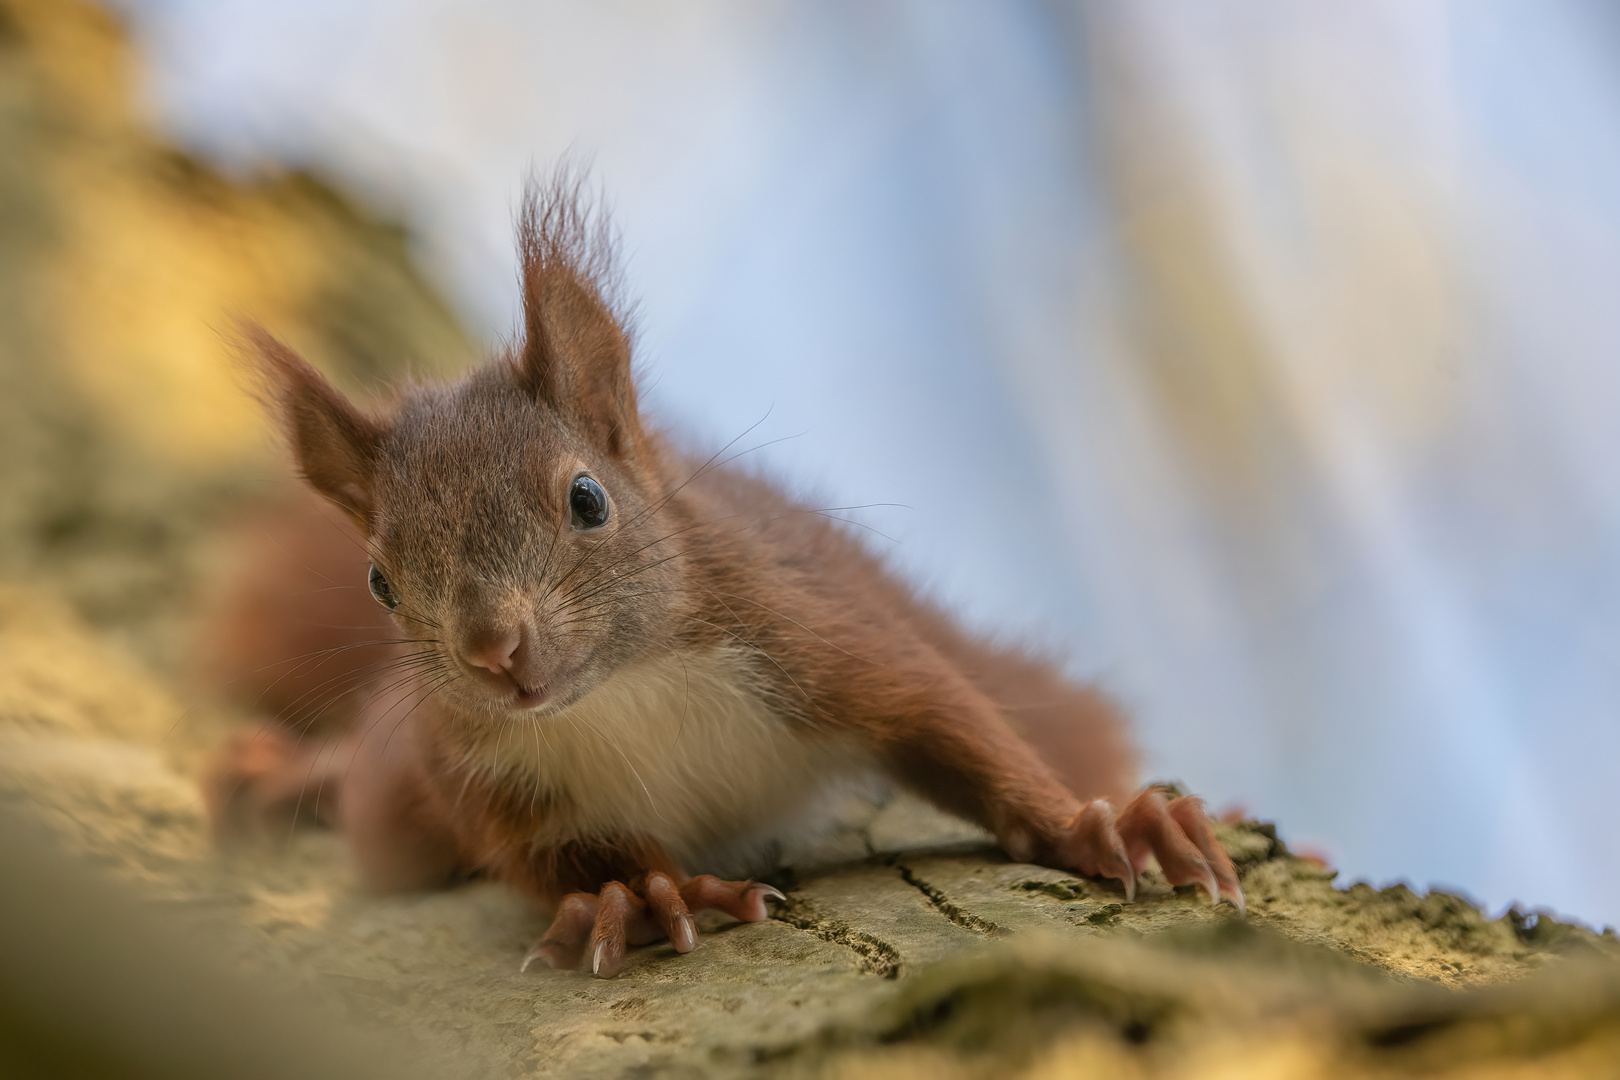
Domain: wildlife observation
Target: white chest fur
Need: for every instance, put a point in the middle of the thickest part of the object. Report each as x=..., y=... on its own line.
x=682, y=750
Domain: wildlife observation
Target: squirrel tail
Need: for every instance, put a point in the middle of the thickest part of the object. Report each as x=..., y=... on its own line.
x=294, y=635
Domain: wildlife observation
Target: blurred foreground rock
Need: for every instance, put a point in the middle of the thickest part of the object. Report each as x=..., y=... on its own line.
x=909, y=946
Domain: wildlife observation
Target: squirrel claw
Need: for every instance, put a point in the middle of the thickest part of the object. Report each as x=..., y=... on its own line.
x=1176, y=833
x=770, y=892
x=619, y=916
x=1221, y=881
x=1095, y=847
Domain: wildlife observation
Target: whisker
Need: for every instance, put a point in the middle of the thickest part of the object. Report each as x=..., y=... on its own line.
x=298, y=805
x=795, y=622
x=626, y=577
x=744, y=641
x=686, y=692
x=358, y=675
x=443, y=680
x=660, y=503
x=308, y=660
x=701, y=469
x=383, y=715
x=304, y=728
x=651, y=802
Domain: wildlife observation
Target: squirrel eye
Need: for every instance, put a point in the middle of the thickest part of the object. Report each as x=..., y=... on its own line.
x=588, y=503
x=381, y=590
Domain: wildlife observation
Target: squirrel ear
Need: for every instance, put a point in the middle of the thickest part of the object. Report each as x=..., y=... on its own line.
x=576, y=353
x=335, y=444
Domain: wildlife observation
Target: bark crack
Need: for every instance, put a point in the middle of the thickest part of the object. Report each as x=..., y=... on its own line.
x=948, y=908
x=877, y=957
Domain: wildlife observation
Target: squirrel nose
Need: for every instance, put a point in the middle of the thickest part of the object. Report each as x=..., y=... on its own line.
x=494, y=650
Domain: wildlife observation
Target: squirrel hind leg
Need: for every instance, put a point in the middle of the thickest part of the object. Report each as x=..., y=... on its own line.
x=266, y=781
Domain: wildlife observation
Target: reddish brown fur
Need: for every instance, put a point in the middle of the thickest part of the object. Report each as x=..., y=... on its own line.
x=460, y=494
x=296, y=633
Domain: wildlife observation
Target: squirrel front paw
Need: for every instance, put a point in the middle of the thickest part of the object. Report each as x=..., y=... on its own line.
x=1176, y=832
x=619, y=916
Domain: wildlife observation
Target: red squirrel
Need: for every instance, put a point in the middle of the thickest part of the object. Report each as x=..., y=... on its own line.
x=608, y=665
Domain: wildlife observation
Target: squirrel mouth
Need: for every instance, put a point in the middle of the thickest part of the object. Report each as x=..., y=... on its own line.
x=528, y=699
x=556, y=691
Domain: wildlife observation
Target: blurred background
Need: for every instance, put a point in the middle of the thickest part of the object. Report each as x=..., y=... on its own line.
x=1261, y=358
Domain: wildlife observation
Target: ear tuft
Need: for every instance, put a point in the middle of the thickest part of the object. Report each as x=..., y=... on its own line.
x=335, y=444
x=576, y=348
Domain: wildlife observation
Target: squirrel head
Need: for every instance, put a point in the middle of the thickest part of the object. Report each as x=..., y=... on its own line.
x=518, y=519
